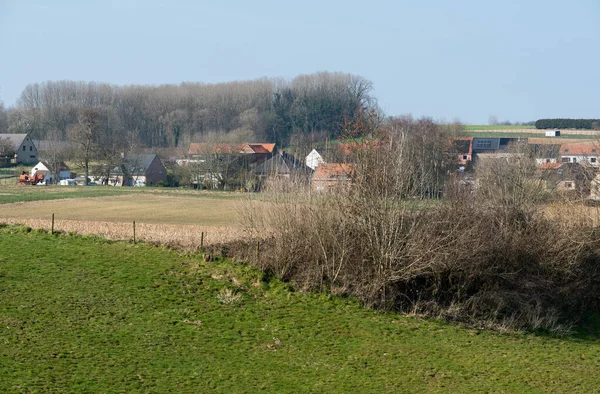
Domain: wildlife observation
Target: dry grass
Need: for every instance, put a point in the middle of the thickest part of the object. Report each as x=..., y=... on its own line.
x=146, y=208
x=180, y=235
x=176, y=220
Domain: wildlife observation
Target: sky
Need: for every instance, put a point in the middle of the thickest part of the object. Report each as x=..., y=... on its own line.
x=450, y=60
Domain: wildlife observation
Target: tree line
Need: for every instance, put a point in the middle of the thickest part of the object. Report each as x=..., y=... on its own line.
x=271, y=110
x=587, y=124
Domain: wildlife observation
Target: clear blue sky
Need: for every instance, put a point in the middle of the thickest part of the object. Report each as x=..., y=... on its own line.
x=466, y=60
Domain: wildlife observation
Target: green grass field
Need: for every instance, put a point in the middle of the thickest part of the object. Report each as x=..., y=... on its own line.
x=88, y=315
x=471, y=127
x=25, y=193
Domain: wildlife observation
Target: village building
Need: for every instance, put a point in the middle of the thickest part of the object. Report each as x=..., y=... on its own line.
x=586, y=154
x=283, y=165
x=64, y=172
x=313, y=159
x=463, y=149
x=329, y=176
x=139, y=170
x=22, y=149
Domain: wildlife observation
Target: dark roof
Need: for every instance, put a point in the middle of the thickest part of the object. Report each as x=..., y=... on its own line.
x=282, y=163
x=136, y=164
x=16, y=139
x=462, y=146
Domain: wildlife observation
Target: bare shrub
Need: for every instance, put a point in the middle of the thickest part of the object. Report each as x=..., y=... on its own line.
x=489, y=257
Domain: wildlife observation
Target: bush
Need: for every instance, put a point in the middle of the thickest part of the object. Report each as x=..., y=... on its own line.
x=489, y=258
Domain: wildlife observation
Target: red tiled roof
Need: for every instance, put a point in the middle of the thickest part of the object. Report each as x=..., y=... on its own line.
x=262, y=148
x=551, y=166
x=327, y=171
x=206, y=148
x=580, y=149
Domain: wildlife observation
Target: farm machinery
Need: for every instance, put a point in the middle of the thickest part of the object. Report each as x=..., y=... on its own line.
x=26, y=179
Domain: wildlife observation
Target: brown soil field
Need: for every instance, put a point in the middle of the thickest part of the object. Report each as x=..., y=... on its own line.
x=159, y=218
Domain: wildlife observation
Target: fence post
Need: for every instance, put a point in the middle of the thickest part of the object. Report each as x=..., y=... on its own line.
x=202, y=240
x=257, y=251
x=52, y=226
x=134, y=231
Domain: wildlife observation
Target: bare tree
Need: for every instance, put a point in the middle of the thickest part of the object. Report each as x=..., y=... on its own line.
x=85, y=135
x=3, y=119
x=7, y=148
x=54, y=152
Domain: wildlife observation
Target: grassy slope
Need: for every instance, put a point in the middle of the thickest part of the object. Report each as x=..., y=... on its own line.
x=80, y=314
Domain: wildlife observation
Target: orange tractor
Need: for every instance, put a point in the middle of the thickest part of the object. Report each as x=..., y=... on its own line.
x=26, y=179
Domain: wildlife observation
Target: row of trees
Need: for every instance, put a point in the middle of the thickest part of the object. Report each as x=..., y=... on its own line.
x=172, y=115
x=587, y=124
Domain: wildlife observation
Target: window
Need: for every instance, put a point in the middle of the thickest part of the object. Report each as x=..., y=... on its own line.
x=483, y=144
x=566, y=160
x=24, y=148
x=30, y=148
x=574, y=160
x=464, y=157
x=592, y=159
x=568, y=185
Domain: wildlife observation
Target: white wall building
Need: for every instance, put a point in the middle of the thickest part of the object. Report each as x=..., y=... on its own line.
x=313, y=159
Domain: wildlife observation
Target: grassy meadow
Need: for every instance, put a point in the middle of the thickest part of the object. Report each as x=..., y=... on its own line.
x=82, y=314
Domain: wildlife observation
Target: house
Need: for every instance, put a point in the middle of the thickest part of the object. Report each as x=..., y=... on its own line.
x=329, y=176
x=21, y=147
x=463, y=149
x=567, y=177
x=283, y=165
x=545, y=153
x=139, y=170
x=313, y=159
x=258, y=150
x=585, y=153
x=227, y=165
x=64, y=172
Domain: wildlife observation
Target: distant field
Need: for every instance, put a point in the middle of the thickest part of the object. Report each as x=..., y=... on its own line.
x=161, y=215
x=497, y=127
x=83, y=315
x=23, y=193
x=500, y=134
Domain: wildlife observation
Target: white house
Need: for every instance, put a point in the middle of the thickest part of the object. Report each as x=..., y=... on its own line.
x=23, y=147
x=580, y=153
x=313, y=159
x=64, y=172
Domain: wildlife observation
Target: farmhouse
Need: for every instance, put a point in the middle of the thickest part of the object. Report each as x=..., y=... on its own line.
x=545, y=153
x=283, y=165
x=20, y=147
x=565, y=177
x=139, y=170
x=226, y=165
x=580, y=153
x=256, y=152
x=329, y=176
x=64, y=172
x=463, y=149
